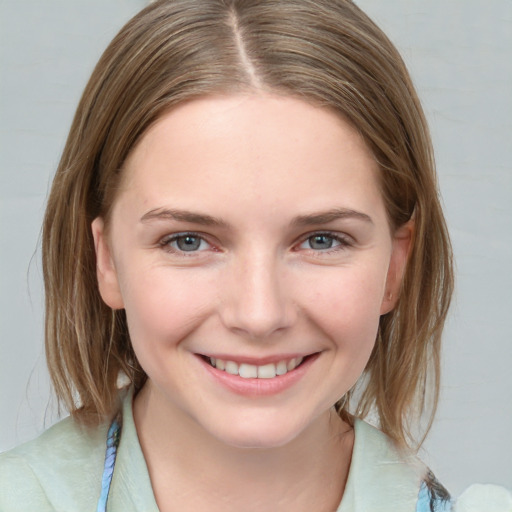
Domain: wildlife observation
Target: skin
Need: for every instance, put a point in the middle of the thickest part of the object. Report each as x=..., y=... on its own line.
x=257, y=287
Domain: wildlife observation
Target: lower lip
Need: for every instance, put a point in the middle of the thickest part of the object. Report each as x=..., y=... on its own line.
x=259, y=387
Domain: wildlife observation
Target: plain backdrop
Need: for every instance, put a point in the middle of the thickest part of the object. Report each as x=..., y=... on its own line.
x=459, y=53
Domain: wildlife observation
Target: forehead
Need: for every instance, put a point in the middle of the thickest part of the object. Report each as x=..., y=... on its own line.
x=271, y=149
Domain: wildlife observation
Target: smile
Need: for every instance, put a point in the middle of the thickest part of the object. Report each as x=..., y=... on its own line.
x=244, y=376
x=250, y=371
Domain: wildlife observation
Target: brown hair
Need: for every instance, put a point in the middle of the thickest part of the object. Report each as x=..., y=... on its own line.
x=326, y=52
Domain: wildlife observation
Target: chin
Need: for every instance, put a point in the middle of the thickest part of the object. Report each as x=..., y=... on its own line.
x=257, y=434
x=256, y=442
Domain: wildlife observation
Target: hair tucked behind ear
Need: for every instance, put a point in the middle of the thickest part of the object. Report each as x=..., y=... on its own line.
x=326, y=52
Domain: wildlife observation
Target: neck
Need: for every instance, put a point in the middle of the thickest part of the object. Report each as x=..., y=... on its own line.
x=192, y=470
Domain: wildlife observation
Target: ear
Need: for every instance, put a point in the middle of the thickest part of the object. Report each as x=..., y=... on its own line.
x=402, y=244
x=105, y=269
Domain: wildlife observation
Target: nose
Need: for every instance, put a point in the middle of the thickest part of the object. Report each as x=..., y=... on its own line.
x=257, y=302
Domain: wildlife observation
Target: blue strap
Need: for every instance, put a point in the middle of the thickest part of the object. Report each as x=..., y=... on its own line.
x=428, y=502
x=113, y=438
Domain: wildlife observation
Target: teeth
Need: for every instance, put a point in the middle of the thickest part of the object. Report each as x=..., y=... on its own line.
x=251, y=371
x=231, y=368
x=267, y=371
x=248, y=371
x=294, y=363
x=281, y=368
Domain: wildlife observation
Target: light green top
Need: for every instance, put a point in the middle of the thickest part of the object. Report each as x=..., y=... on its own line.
x=62, y=469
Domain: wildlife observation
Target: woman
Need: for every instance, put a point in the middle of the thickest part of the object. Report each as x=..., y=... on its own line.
x=245, y=224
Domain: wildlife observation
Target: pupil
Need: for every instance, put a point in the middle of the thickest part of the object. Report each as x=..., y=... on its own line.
x=320, y=242
x=188, y=243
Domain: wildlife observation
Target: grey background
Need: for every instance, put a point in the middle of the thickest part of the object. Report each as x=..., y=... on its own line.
x=460, y=55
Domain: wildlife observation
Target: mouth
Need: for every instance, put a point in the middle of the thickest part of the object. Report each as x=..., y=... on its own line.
x=257, y=377
x=252, y=371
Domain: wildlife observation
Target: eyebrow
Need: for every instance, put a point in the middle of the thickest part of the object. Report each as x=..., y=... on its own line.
x=183, y=216
x=330, y=216
x=208, y=220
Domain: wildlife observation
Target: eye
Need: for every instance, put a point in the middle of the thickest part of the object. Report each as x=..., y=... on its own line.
x=324, y=242
x=185, y=242
x=321, y=242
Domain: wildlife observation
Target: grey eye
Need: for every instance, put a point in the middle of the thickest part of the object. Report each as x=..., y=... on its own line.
x=320, y=242
x=188, y=243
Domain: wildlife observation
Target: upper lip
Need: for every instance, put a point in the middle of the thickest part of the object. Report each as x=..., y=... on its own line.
x=257, y=361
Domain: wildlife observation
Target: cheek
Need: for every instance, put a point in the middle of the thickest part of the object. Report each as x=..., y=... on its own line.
x=348, y=313
x=163, y=305
x=347, y=308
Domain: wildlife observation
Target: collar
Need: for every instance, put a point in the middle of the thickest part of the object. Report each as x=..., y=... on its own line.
x=381, y=477
x=379, y=474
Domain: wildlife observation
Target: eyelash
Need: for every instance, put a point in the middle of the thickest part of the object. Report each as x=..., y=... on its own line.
x=166, y=242
x=343, y=242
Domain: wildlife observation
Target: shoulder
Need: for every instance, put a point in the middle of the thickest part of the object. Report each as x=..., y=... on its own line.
x=382, y=476
x=59, y=469
x=374, y=449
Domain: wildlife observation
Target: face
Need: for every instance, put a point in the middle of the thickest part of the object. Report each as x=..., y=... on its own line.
x=250, y=248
